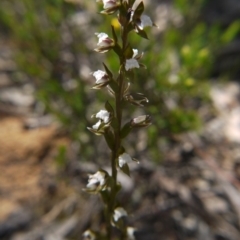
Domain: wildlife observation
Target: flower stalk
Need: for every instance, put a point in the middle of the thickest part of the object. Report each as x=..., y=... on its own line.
x=110, y=120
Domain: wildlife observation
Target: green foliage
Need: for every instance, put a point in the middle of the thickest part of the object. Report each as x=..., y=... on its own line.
x=176, y=81
x=38, y=29
x=61, y=158
x=177, y=78
x=231, y=32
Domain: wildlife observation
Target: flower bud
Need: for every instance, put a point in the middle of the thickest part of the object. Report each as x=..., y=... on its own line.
x=131, y=63
x=141, y=121
x=130, y=233
x=110, y=6
x=119, y=212
x=138, y=100
x=102, y=79
x=144, y=21
x=103, y=115
x=89, y=235
x=104, y=43
x=104, y=122
x=124, y=159
x=97, y=182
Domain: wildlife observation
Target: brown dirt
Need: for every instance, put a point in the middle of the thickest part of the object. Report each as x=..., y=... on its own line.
x=24, y=155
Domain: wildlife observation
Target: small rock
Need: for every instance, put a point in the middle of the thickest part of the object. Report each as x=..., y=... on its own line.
x=15, y=222
x=215, y=205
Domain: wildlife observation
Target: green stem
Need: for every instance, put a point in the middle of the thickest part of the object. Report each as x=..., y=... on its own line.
x=117, y=133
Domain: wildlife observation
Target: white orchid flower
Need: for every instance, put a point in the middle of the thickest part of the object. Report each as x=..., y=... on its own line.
x=124, y=159
x=130, y=233
x=96, y=126
x=131, y=63
x=89, y=235
x=103, y=115
x=135, y=53
x=108, y=4
x=97, y=181
x=118, y=213
x=104, y=43
x=145, y=21
x=100, y=76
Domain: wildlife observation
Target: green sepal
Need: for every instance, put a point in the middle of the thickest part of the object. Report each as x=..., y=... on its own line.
x=130, y=27
x=118, y=187
x=125, y=169
x=142, y=33
x=96, y=132
x=109, y=137
x=108, y=107
x=130, y=75
x=111, y=183
x=125, y=5
x=131, y=2
x=109, y=73
x=138, y=12
x=121, y=150
x=114, y=124
x=142, y=66
x=110, y=11
x=114, y=35
x=128, y=53
x=120, y=224
x=114, y=86
x=126, y=129
x=105, y=196
x=123, y=14
x=117, y=49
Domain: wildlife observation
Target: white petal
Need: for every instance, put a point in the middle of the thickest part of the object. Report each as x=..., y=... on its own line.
x=124, y=158
x=130, y=233
x=108, y=4
x=131, y=63
x=96, y=126
x=104, y=115
x=145, y=21
x=139, y=119
x=135, y=53
x=102, y=39
x=89, y=235
x=118, y=213
x=99, y=75
x=100, y=177
x=101, y=36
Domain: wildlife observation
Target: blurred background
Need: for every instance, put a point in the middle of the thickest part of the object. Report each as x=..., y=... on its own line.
x=187, y=185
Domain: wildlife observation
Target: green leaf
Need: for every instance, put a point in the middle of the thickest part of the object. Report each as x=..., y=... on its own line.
x=108, y=107
x=113, y=84
x=126, y=130
x=123, y=13
x=125, y=169
x=114, y=35
x=131, y=2
x=121, y=150
x=114, y=124
x=109, y=137
x=138, y=12
x=109, y=73
x=231, y=32
x=105, y=196
x=128, y=53
x=142, y=33
x=118, y=187
x=117, y=49
x=130, y=75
